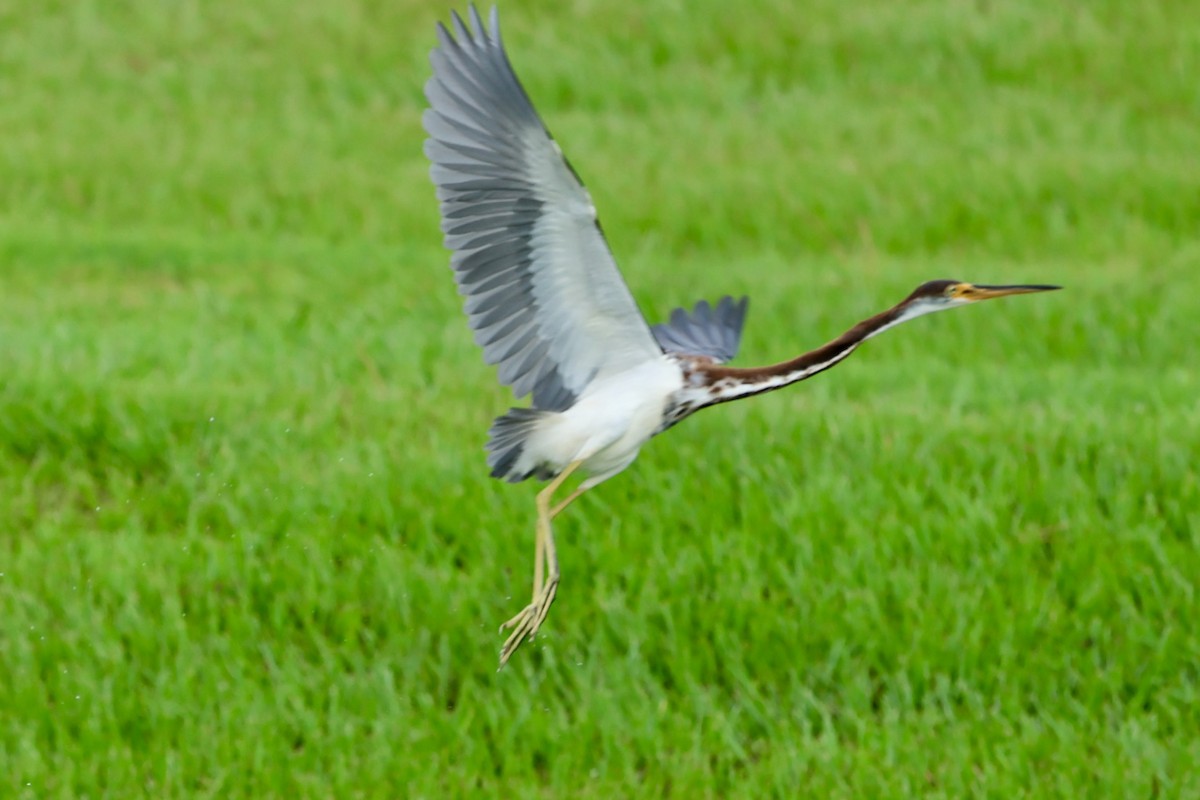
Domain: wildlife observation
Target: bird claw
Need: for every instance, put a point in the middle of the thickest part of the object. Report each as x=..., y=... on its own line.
x=526, y=623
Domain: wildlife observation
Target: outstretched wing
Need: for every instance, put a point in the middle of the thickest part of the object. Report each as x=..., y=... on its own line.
x=707, y=331
x=543, y=293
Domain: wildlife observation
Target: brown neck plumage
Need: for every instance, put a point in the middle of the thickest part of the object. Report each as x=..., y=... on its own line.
x=730, y=383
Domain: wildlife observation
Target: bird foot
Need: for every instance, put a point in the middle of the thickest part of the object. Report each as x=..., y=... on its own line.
x=526, y=623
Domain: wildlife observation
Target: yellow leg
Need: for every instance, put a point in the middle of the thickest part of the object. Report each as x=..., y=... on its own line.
x=526, y=623
x=539, y=555
x=558, y=509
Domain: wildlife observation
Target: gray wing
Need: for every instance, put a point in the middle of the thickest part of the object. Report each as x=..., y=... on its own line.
x=713, y=332
x=542, y=290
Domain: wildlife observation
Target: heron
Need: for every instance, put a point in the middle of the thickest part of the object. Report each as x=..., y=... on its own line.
x=550, y=310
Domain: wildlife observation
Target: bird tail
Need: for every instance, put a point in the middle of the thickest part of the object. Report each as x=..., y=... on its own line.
x=506, y=444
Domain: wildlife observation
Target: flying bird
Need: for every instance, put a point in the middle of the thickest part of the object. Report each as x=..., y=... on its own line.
x=549, y=308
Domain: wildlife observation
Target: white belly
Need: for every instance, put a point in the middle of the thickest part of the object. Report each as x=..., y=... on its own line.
x=610, y=422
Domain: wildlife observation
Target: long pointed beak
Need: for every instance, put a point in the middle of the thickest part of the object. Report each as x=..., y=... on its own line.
x=992, y=292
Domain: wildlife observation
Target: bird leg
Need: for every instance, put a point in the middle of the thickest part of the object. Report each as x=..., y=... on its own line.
x=558, y=509
x=526, y=623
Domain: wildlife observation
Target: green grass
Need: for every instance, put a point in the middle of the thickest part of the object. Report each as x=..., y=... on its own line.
x=248, y=547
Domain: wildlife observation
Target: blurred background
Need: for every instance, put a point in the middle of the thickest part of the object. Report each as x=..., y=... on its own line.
x=248, y=546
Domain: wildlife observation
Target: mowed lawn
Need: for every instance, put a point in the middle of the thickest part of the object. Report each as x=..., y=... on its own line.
x=248, y=545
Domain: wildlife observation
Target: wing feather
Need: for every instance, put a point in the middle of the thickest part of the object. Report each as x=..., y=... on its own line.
x=542, y=291
x=707, y=331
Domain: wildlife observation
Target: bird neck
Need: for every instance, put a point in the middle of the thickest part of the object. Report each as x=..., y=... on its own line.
x=730, y=383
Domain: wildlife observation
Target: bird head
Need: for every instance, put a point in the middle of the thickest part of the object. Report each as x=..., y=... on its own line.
x=940, y=295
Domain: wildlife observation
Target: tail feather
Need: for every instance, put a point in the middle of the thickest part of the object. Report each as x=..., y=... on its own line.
x=506, y=444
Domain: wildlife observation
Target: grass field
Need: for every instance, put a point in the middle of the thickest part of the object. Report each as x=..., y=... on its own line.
x=248, y=547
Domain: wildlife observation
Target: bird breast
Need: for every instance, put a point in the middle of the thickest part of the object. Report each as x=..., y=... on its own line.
x=614, y=417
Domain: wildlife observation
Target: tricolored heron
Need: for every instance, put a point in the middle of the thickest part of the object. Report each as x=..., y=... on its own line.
x=550, y=310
